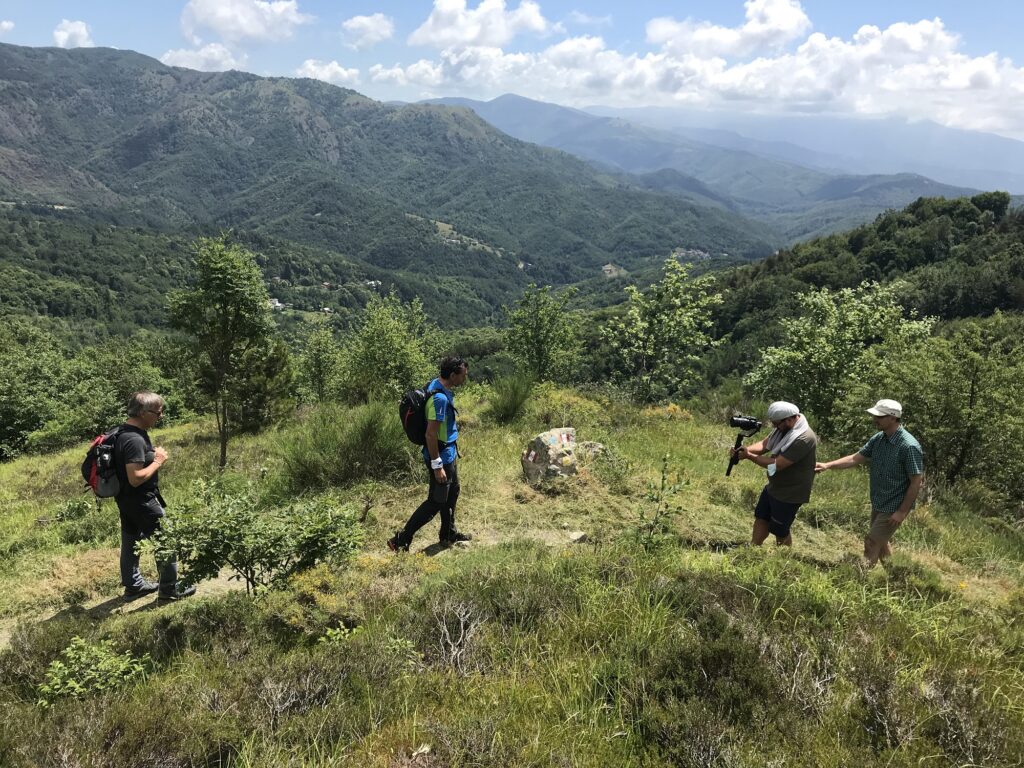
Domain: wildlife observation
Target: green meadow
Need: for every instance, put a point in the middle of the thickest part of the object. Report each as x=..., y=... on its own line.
x=662, y=639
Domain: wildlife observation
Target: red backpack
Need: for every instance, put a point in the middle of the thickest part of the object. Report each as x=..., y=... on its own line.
x=98, y=469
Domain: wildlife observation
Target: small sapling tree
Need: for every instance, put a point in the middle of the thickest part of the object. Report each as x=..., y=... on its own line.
x=228, y=314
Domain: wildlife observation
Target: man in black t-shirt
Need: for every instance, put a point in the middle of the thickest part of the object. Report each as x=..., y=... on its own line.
x=137, y=463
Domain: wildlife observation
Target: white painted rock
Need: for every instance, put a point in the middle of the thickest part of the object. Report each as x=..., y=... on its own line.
x=550, y=455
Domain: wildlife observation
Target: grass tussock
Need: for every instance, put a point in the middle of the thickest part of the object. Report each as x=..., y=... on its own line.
x=339, y=447
x=508, y=398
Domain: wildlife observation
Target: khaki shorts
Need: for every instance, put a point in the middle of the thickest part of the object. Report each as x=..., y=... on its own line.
x=881, y=531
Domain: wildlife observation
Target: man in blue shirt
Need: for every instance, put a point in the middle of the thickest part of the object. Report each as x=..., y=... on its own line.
x=897, y=473
x=440, y=454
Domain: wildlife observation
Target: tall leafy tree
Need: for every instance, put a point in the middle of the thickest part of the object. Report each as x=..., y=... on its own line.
x=319, y=362
x=543, y=335
x=96, y=384
x=960, y=392
x=31, y=369
x=228, y=313
x=659, y=340
x=824, y=348
x=391, y=347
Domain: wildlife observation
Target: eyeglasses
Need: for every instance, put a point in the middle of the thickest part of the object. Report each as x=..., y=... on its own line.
x=158, y=413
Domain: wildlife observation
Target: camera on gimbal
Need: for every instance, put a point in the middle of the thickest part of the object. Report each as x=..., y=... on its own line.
x=748, y=427
x=745, y=423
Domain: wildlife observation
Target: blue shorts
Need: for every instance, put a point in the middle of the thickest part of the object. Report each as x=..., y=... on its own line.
x=779, y=514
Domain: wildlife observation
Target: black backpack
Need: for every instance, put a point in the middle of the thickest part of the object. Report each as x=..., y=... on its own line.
x=412, y=410
x=98, y=468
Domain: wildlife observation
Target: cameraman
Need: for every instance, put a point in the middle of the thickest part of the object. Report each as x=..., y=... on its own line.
x=788, y=454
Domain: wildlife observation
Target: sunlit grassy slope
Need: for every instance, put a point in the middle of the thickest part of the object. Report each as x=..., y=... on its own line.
x=524, y=649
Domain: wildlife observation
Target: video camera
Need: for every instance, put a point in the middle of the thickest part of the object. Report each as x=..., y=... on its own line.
x=748, y=427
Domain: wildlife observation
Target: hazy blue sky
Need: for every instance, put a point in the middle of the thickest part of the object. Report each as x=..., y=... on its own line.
x=958, y=63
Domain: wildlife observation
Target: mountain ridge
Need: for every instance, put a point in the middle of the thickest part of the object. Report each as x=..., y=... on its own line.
x=797, y=198
x=167, y=147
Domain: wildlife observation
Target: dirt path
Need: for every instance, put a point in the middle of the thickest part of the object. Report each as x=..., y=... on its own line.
x=100, y=608
x=104, y=606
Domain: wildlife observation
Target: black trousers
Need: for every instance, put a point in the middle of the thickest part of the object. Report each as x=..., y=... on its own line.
x=441, y=498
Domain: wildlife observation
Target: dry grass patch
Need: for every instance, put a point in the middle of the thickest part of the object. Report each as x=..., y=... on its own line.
x=65, y=580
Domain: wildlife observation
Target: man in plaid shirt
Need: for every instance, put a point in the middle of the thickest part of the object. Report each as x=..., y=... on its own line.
x=897, y=472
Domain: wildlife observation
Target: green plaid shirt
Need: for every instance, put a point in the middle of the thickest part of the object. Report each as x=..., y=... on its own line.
x=894, y=460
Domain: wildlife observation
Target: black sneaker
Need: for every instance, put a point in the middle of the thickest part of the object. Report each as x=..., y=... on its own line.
x=179, y=593
x=146, y=588
x=395, y=544
x=456, y=537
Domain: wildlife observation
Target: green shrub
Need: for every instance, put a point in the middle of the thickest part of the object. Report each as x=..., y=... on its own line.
x=722, y=668
x=263, y=546
x=508, y=398
x=654, y=519
x=968, y=725
x=227, y=624
x=25, y=660
x=555, y=406
x=688, y=734
x=86, y=668
x=74, y=509
x=339, y=447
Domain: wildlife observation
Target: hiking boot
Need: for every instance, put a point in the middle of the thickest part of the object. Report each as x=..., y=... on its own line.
x=146, y=588
x=179, y=593
x=455, y=537
x=395, y=544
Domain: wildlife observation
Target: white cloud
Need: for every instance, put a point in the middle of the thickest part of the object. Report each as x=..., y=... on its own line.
x=366, y=31
x=770, y=25
x=6, y=26
x=236, y=20
x=451, y=24
x=213, y=57
x=328, y=71
x=913, y=70
x=72, y=34
x=586, y=20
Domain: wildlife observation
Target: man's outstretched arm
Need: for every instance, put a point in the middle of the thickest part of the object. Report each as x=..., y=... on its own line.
x=846, y=462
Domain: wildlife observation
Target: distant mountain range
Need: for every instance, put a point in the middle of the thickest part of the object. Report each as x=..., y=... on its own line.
x=105, y=153
x=775, y=182
x=423, y=188
x=851, y=145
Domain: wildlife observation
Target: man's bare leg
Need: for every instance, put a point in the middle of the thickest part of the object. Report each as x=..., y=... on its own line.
x=760, y=532
x=785, y=541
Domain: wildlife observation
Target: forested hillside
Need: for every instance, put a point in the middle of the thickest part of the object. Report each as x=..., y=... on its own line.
x=89, y=279
x=135, y=142
x=950, y=259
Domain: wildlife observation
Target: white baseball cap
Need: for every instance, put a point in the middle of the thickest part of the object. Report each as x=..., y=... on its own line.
x=780, y=410
x=887, y=408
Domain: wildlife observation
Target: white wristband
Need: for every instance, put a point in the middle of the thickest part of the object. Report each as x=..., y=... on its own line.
x=437, y=463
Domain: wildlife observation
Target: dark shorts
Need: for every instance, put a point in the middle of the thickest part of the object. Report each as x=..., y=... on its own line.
x=779, y=514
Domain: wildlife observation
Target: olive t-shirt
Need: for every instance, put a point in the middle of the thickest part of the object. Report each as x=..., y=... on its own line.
x=793, y=484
